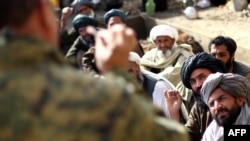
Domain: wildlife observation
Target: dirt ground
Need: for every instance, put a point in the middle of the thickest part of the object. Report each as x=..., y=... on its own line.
x=212, y=22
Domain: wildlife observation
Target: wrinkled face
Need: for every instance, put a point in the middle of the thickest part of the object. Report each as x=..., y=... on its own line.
x=224, y=107
x=198, y=76
x=114, y=20
x=84, y=10
x=164, y=43
x=221, y=53
x=134, y=69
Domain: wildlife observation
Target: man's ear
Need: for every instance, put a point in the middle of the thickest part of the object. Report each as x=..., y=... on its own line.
x=42, y=13
x=232, y=57
x=47, y=21
x=240, y=100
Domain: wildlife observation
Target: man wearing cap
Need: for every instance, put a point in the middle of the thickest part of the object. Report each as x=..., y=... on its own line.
x=167, y=57
x=227, y=96
x=83, y=42
x=117, y=16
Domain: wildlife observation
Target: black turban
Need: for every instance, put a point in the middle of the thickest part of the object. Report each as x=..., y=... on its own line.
x=82, y=21
x=200, y=60
x=115, y=12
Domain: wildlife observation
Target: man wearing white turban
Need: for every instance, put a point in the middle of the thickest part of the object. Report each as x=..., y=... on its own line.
x=167, y=58
x=227, y=96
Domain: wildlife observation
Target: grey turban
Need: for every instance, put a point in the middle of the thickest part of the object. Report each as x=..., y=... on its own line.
x=234, y=84
x=200, y=60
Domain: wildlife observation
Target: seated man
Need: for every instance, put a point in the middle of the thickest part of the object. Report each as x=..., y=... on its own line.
x=83, y=42
x=226, y=95
x=167, y=57
x=224, y=48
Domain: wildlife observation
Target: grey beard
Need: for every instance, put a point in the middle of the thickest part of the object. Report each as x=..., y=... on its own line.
x=168, y=53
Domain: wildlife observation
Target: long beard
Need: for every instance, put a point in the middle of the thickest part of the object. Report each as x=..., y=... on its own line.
x=168, y=53
x=229, y=63
x=89, y=40
x=199, y=100
x=231, y=116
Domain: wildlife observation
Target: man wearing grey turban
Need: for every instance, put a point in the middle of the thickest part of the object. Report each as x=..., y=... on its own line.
x=194, y=72
x=227, y=96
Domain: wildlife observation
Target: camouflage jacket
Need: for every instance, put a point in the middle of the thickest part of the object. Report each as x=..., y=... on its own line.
x=42, y=99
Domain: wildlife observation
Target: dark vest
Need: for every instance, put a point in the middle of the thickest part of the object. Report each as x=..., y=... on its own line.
x=240, y=68
x=149, y=84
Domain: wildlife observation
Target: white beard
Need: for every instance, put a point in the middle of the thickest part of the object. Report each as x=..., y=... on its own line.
x=166, y=54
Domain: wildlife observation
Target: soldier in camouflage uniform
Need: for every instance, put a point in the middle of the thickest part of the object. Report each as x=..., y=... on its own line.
x=43, y=99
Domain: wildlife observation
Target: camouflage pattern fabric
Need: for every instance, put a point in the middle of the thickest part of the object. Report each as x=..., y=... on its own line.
x=42, y=99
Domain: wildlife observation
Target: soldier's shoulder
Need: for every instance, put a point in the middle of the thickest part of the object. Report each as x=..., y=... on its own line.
x=175, y=131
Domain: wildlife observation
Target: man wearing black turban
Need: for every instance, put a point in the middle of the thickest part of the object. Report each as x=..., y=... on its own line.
x=194, y=72
x=83, y=42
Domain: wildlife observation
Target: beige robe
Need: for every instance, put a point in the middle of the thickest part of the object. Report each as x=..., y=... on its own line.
x=170, y=66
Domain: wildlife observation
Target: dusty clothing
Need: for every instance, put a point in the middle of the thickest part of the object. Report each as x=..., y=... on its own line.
x=77, y=50
x=67, y=39
x=168, y=67
x=186, y=95
x=46, y=100
x=198, y=120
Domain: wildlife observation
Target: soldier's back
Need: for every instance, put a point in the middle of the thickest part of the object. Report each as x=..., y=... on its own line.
x=43, y=99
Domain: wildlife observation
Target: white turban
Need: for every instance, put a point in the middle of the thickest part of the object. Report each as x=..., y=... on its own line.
x=163, y=30
x=234, y=84
x=134, y=57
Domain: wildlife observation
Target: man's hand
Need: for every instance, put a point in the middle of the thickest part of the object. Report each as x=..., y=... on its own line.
x=113, y=46
x=66, y=12
x=173, y=101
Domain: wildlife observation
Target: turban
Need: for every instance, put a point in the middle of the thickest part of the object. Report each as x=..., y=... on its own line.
x=234, y=84
x=134, y=57
x=115, y=12
x=77, y=3
x=82, y=21
x=200, y=60
x=163, y=30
